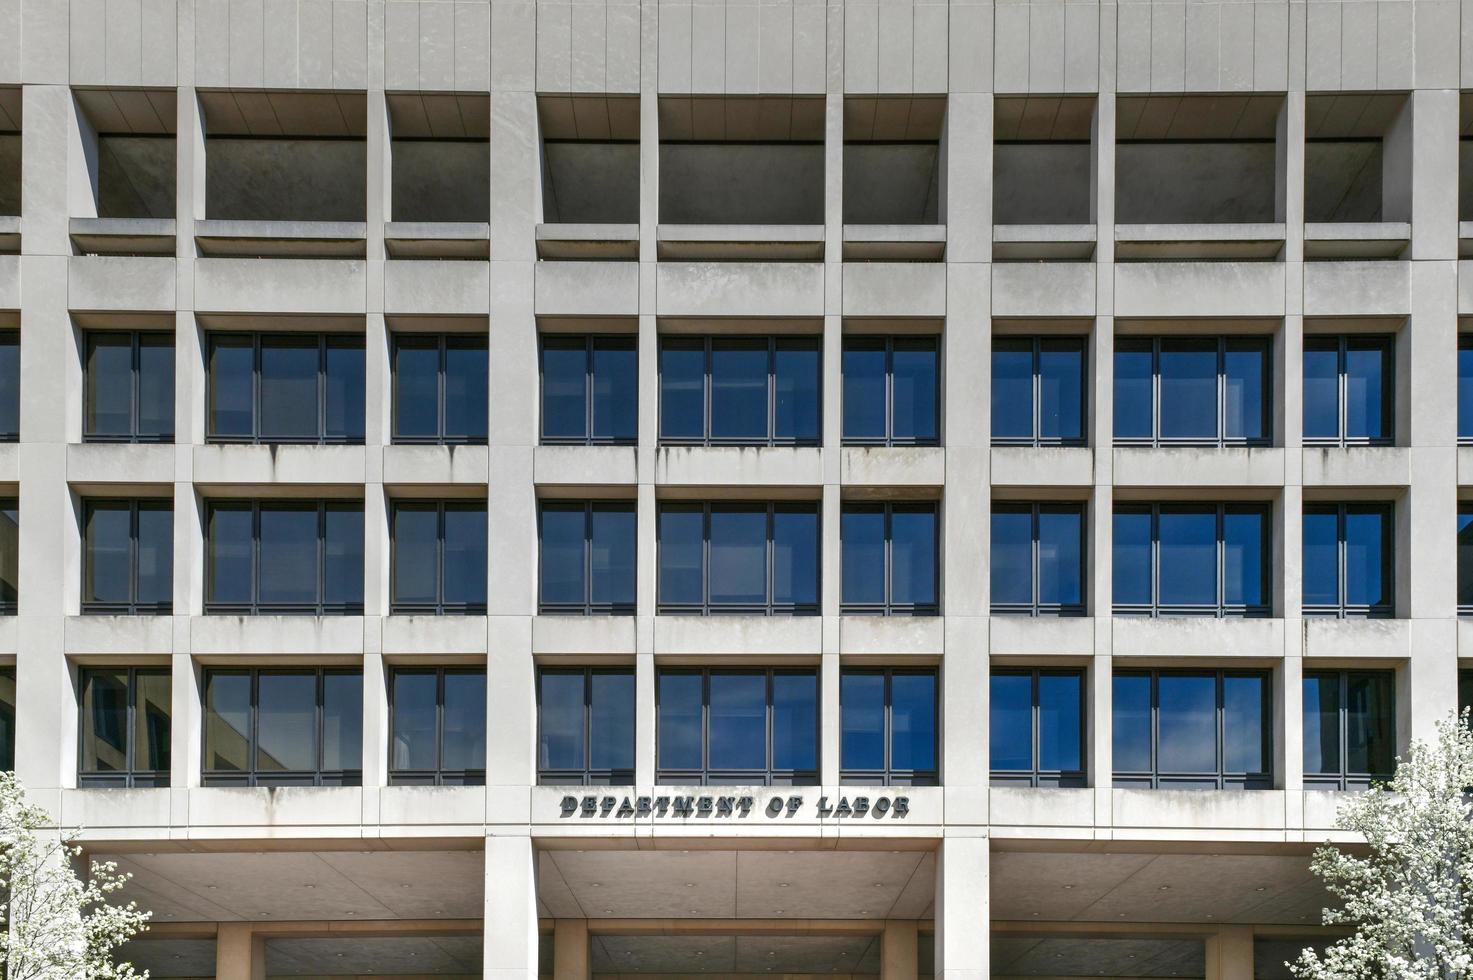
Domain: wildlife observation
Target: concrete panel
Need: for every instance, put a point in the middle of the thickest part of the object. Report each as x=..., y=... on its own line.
x=306, y=637
x=132, y=283
x=590, y=466
x=321, y=466
x=9, y=282
x=741, y=183
x=1184, y=181
x=1048, y=466
x=1043, y=289
x=754, y=636
x=279, y=285
x=432, y=806
x=1357, y=289
x=1046, y=636
x=103, y=463
x=285, y=179
x=119, y=635
x=102, y=810
x=436, y=288
x=1042, y=184
x=892, y=636
x=1041, y=807
x=734, y=466
x=583, y=636
x=443, y=465
x=279, y=812
x=874, y=289
x=587, y=289
x=1357, y=466
x=1010, y=46
x=1194, y=289
x=694, y=289
x=1356, y=638
x=885, y=466
x=1262, y=810
x=1231, y=466
x=430, y=636
x=1182, y=637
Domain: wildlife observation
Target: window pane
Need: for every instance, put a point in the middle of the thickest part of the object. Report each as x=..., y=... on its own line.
x=227, y=721
x=913, y=721
x=563, y=530
x=1012, y=389
x=611, y=719
x=1243, y=718
x=1367, y=556
x=1321, y=558
x=564, y=388
x=415, y=571
x=1188, y=550
x=738, y=555
x=464, y=723
x=738, y=721
x=289, y=565
x=1243, y=557
x=794, y=721
x=864, y=389
x=1186, y=723
x=412, y=745
x=416, y=387
x=1465, y=390
x=343, y=395
x=1188, y=389
x=1012, y=554
x=286, y=725
x=7, y=719
x=343, y=551
x=1131, y=564
x=612, y=554
x=1245, y=368
x=1365, y=378
x=679, y=723
x=915, y=390
x=1465, y=557
x=342, y=720
x=10, y=382
x=1370, y=723
x=862, y=549
x=109, y=383
x=1060, y=727
x=1322, y=723
x=560, y=720
x=108, y=552
x=151, y=712
x=1060, y=389
x=680, y=555
x=1060, y=532
x=229, y=553
x=104, y=720
x=465, y=388
x=156, y=385
x=465, y=554
x=155, y=554
x=862, y=720
x=1132, y=391
x=795, y=554
x=1131, y=730
x=682, y=390
x=739, y=389
x=231, y=385
x=615, y=390
x=9, y=550
x=1011, y=714
x=795, y=390
x=913, y=555
x=1321, y=390
x=288, y=386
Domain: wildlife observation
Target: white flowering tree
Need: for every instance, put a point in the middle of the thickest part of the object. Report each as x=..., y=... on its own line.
x=1409, y=898
x=53, y=925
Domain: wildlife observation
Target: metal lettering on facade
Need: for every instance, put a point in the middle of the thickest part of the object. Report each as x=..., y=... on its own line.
x=733, y=807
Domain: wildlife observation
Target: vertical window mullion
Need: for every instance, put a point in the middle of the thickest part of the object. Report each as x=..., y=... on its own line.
x=889, y=390
x=706, y=380
x=1155, y=729
x=1036, y=387
x=133, y=389
x=590, y=384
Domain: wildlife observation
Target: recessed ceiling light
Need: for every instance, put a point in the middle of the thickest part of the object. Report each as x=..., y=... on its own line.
x=350, y=912
x=779, y=911
x=1164, y=888
x=594, y=884
x=879, y=884
x=608, y=911
x=690, y=884
x=1260, y=888
x=1035, y=915
x=1068, y=888
x=309, y=886
x=700, y=952
x=782, y=884
x=771, y=952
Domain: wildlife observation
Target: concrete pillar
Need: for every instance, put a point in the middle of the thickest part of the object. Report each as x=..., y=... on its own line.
x=511, y=907
x=1230, y=954
x=898, y=950
x=239, y=954
x=570, y=950
x=963, y=930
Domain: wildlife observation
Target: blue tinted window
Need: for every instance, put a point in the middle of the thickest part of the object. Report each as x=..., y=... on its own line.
x=611, y=721
x=9, y=384
x=1061, y=389
x=128, y=556
x=588, y=557
x=889, y=556
x=585, y=723
x=284, y=556
x=1244, y=552
x=463, y=724
x=561, y=734
x=726, y=726
x=1365, y=388
x=1060, y=558
x=1245, y=390
x=1012, y=388
x=1347, y=389
x=438, y=735
x=795, y=372
x=1465, y=557
x=795, y=555
x=563, y=527
x=108, y=408
x=1134, y=390
x=913, y=722
x=1061, y=721
x=681, y=697
x=738, y=557
x=611, y=556
x=1012, y=554
x=1011, y=714
x=128, y=394
x=1131, y=561
x=465, y=556
x=682, y=388
x=1131, y=724
x=1187, y=550
x=1347, y=559
x=615, y=389
x=416, y=387
x=232, y=386
x=1037, y=727
x=466, y=378
x=888, y=726
x=1349, y=727
x=1037, y=558
x=862, y=720
x=915, y=389
x=274, y=727
x=891, y=390
x=1038, y=389
x=1186, y=723
x=286, y=387
x=681, y=559
x=742, y=390
x=1244, y=715
x=739, y=390
x=864, y=389
x=1192, y=730
x=862, y=547
x=286, y=552
x=1188, y=370
x=125, y=739
x=1321, y=557
x=342, y=389
x=342, y=557
x=564, y=388
x=794, y=720
x=440, y=386
x=1321, y=389
x=1199, y=559
x=1367, y=534
x=1465, y=387
x=1210, y=390
x=913, y=555
x=439, y=557
x=1321, y=723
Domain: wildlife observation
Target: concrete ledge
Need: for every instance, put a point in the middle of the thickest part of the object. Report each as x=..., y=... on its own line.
x=892, y=466
x=137, y=635
x=1048, y=466
x=1152, y=809
x=437, y=239
x=276, y=812
x=1320, y=807
x=1378, y=639
x=102, y=810
x=10, y=234
x=1034, y=289
x=1040, y=806
x=747, y=636
x=1465, y=466
x=923, y=636
x=436, y=465
x=111, y=282
x=894, y=243
x=1041, y=636
x=1020, y=243
x=1356, y=240
x=1200, y=467
x=728, y=289
x=584, y=635
x=1357, y=466
x=745, y=243
x=281, y=239
x=304, y=637
x=9, y=282
x=432, y=635
x=106, y=467
x=432, y=805
x=437, y=288
x=738, y=466
x=586, y=289
x=9, y=636
x=585, y=466
x=900, y=289
x=1234, y=241
x=10, y=464
x=227, y=467
x=1196, y=289
x=1358, y=289
x=588, y=241
x=123, y=236
x=1465, y=239
x=1181, y=638
x=277, y=285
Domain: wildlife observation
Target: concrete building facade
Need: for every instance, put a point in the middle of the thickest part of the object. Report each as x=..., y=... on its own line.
x=1185, y=281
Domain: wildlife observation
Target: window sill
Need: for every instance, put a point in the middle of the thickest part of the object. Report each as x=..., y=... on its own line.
x=123, y=236
x=244, y=238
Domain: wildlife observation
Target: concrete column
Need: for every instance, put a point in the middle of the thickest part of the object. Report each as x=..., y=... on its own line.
x=186, y=698
x=511, y=908
x=898, y=950
x=1230, y=954
x=375, y=723
x=570, y=950
x=239, y=954
x=963, y=923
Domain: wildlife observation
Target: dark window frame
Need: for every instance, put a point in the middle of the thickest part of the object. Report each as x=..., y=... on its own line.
x=1225, y=342
x=11, y=337
x=587, y=775
x=477, y=341
x=438, y=776
x=888, y=775
x=1222, y=609
x=11, y=607
x=1465, y=343
x=812, y=342
x=591, y=342
x=768, y=776
x=1342, y=609
x=7, y=717
x=439, y=607
x=253, y=776
x=922, y=343
x=133, y=436
x=768, y=608
x=255, y=607
x=889, y=607
x=131, y=777
x=587, y=607
x=1037, y=608
x=1341, y=343
x=1037, y=776
x=132, y=607
x=343, y=340
x=1465, y=510
x=1156, y=779
x=1036, y=344
x=1346, y=780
